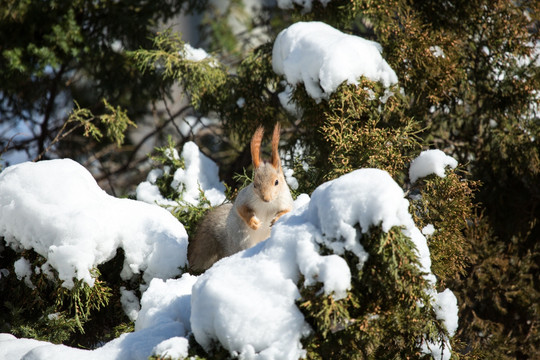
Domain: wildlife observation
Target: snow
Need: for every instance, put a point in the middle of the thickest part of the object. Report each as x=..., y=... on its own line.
x=446, y=309
x=241, y=102
x=437, y=51
x=165, y=302
x=200, y=173
x=135, y=346
x=438, y=351
x=285, y=99
x=248, y=306
x=57, y=209
x=13, y=348
x=23, y=270
x=161, y=329
x=428, y=230
x=245, y=302
x=430, y=162
x=130, y=303
x=291, y=180
x=173, y=348
x=367, y=197
x=148, y=192
x=322, y=57
x=195, y=54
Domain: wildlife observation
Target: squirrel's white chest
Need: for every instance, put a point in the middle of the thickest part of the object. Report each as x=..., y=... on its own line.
x=266, y=212
x=240, y=235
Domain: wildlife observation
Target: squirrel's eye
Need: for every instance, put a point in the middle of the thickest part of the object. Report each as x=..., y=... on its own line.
x=276, y=183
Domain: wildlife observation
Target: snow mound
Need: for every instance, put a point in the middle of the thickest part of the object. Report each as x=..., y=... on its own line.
x=249, y=307
x=446, y=309
x=173, y=348
x=138, y=345
x=430, y=162
x=161, y=330
x=57, y=209
x=166, y=301
x=200, y=171
x=365, y=197
x=323, y=57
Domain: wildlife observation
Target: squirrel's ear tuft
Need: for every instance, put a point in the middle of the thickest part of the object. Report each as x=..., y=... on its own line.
x=275, y=146
x=256, y=146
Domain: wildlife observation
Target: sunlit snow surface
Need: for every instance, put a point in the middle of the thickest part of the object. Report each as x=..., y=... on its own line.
x=430, y=162
x=322, y=57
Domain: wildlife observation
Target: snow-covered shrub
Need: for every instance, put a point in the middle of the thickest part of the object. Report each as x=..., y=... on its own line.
x=392, y=288
x=72, y=246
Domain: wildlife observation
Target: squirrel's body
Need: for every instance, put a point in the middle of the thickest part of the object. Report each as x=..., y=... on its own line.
x=206, y=247
x=242, y=237
x=228, y=228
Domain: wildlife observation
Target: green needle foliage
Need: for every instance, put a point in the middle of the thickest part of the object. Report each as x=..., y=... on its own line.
x=450, y=248
x=387, y=312
x=43, y=309
x=201, y=79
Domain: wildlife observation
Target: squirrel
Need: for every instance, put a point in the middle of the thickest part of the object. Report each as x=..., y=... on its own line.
x=230, y=228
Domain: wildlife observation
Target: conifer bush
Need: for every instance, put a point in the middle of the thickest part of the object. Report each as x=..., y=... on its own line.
x=45, y=310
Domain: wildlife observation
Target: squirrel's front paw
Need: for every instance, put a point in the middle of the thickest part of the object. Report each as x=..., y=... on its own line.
x=278, y=215
x=254, y=223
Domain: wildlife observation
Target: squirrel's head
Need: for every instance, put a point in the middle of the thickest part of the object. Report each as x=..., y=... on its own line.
x=268, y=180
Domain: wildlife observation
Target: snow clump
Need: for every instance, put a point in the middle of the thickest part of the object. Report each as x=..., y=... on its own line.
x=430, y=162
x=197, y=55
x=23, y=270
x=323, y=57
x=428, y=230
x=173, y=348
x=130, y=303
